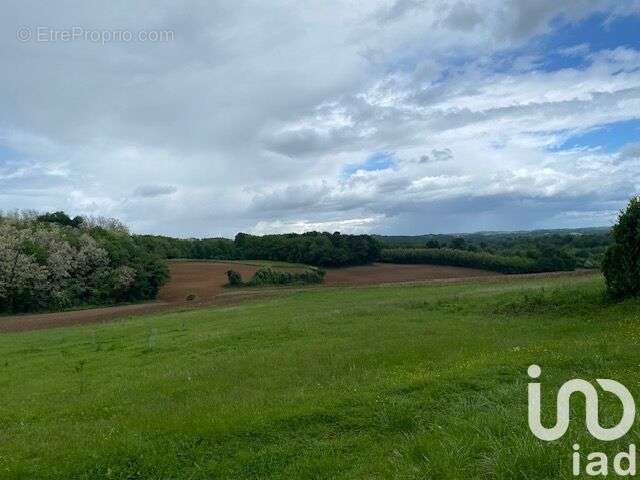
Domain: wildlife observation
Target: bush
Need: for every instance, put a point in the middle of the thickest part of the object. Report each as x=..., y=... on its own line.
x=621, y=264
x=480, y=260
x=235, y=279
x=269, y=276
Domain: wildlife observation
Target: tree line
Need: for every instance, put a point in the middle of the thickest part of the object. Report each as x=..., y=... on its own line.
x=320, y=249
x=480, y=260
x=586, y=246
x=54, y=262
x=188, y=248
x=506, y=253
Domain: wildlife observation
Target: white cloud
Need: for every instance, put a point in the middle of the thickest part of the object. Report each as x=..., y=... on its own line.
x=352, y=225
x=250, y=116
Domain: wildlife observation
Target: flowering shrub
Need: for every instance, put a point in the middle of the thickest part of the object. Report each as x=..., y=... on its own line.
x=48, y=265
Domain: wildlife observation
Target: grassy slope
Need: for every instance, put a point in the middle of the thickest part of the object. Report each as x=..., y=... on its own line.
x=395, y=382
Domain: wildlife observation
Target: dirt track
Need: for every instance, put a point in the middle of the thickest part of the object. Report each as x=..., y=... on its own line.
x=205, y=282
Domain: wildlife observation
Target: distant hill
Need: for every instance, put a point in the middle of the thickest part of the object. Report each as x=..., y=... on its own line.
x=415, y=240
x=586, y=246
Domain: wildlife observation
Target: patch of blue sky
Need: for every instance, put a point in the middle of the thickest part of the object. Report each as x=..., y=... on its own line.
x=377, y=161
x=599, y=31
x=566, y=46
x=6, y=152
x=7, y=155
x=569, y=45
x=608, y=138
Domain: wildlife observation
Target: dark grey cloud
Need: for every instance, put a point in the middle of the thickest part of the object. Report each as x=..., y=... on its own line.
x=436, y=155
x=306, y=141
x=521, y=19
x=151, y=191
x=463, y=16
x=293, y=198
x=502, y=212
x=398, y=9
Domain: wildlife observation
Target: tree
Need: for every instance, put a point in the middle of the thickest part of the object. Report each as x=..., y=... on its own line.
x=48, y=264
x=22, y=280
x=458, y=243
x=621, y=265
x=61, y=218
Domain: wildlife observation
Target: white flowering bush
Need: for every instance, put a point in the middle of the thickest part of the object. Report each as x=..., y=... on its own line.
x=47, y=265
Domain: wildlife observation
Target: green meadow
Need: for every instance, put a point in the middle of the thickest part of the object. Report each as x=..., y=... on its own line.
x=405, y=382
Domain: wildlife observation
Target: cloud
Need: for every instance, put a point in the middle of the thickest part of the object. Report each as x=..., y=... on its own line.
x=256, y=110
x=352, y=225
x=630, y=152
x=289, y=199
x=443, y=155
x=575, y=51
x=398, y=9
x=463, y=16
x=151, y=191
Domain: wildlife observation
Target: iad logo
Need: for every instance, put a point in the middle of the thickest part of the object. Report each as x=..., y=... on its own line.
x=598, y=461
x=591, y=398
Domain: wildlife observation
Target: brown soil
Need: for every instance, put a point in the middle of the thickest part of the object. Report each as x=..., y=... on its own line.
x=203, y=283
x=205, y=280
x=391, y=273
x=18, y=323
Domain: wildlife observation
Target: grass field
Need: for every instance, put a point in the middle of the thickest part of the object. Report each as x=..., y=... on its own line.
x=421, y=381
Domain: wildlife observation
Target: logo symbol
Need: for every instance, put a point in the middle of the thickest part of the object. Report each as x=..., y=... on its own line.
x=24, y=34
x=591, y=400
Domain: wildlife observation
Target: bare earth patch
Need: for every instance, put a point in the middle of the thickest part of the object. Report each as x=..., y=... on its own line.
x=197, y=284
x=390, y=273
x=205, y=280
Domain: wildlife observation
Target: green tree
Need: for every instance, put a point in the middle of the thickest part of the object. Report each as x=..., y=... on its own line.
x=458, y=243
x=621, y=264
x=61, y=218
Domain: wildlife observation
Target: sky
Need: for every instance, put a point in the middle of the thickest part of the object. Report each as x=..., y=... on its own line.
x=206, y=118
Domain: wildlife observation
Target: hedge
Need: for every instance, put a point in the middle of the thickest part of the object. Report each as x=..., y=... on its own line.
x=269, y=276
